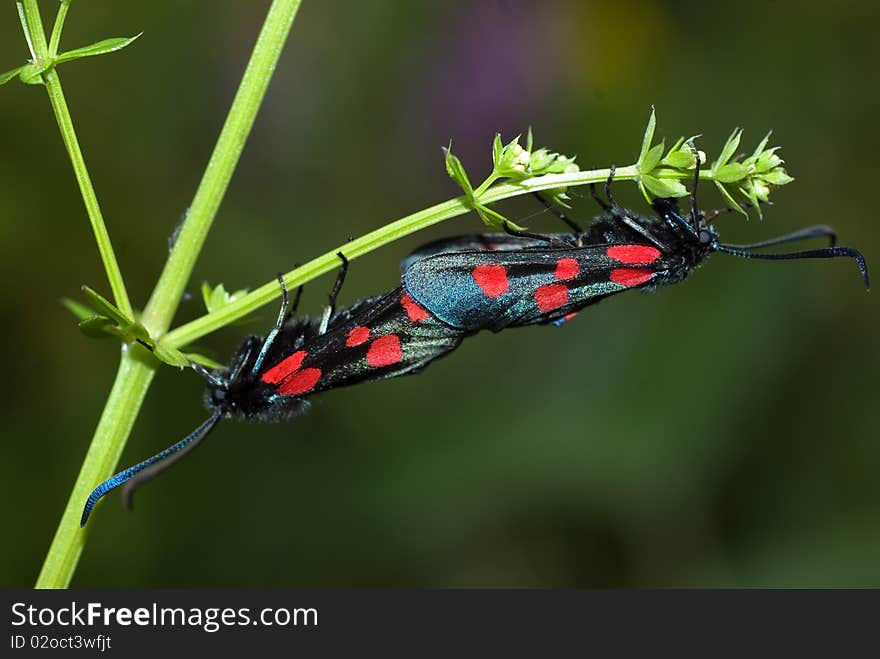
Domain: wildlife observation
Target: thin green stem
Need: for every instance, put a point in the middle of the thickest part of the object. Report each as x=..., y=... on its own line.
x=136, y=370
x=87, y=190
x=58, y=28
x=68, y=135
x=34, y=34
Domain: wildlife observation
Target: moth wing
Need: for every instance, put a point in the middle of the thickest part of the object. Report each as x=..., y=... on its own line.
x=478, y=242
x=474, y=290
x=384, y=337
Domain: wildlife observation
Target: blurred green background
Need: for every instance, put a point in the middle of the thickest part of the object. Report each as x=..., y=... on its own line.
x=718, y=433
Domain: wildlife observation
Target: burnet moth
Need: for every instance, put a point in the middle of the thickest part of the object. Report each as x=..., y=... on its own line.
x=452, y=289
x=496, y=281
x=269, y=378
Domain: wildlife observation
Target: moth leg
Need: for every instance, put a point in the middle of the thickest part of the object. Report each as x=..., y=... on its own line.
x=695, y=222
x=282, y=316
x=296, y=298
x=213, y=380
x=602, y=203
x=331, y=307
x=550, y=206
x=614, y=208
x=616, y=211
x=549, y=239
x=607, y=206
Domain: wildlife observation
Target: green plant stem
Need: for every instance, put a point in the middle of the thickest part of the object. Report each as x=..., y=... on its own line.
x=135, y=372
x=58, y=28
x=68, y=135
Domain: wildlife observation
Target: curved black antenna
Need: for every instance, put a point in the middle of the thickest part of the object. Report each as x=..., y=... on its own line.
x=142, y=472
x=827, y=253
x=818, y=231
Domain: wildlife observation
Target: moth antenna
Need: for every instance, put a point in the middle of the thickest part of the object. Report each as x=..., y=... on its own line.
x=818, y=231
x=135, y=476
x=550, y=206
x=827, y=253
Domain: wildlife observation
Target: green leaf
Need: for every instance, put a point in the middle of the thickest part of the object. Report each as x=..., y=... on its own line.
x=729, y=149
x=495, y=219
x=9, y=75
x=497, y=147
x=98, y=327
x=777, y=177
x=649, y=136
x=652, y=158
x=763, y=143
x=752, y=194
x=456, y=170
x=766, y=160
x=217, y=297
x=106, y=308
x=99, y=48
x=136, y=332
x=680, y=155
x=558, y=196
x=663, y=187
x=81, y=311
x=171, y=356
x=731, y=172
x=31, y=74
x=680, y=159
x=730, y=200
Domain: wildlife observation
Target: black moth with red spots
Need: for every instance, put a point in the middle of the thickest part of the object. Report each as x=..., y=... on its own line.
x=496, y=281
x=450, y=290
x=376, y=338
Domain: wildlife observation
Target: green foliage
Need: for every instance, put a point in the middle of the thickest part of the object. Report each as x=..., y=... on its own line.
x=218, y=297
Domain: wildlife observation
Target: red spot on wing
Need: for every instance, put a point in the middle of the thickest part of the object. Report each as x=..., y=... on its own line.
x=300, y=382
x=385, y=351
x=491, y=278
x=571, y=315
x=284, y=368
x=357, y=336
x=631, y=276
x=413, y=310
x=551, y=296
x=567, y=268
x=633, y=253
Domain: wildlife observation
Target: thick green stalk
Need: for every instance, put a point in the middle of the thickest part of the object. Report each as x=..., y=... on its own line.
x=136, y=370
x=166, y=296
